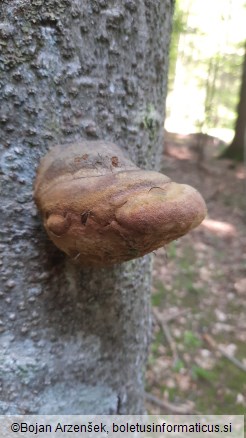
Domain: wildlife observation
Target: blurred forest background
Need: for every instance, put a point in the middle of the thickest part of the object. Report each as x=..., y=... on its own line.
x=198, y=355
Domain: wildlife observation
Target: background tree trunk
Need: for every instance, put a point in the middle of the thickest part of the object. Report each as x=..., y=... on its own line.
x=236, y=148
x=72, y=340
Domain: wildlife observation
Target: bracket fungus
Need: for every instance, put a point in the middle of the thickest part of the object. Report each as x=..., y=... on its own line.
x=101, y=209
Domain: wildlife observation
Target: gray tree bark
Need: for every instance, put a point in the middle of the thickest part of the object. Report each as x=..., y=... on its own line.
x=73, y=340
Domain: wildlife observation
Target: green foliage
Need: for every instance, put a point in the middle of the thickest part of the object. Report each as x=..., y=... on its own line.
x=200, y=373
x=159, y=296
x=213, y=385
x=179, y=25
x=191, y=340
x=159, y=340
x=218, y=75
x=219, y=97
x=172, y=250
x=178, y=366
x=209, y=401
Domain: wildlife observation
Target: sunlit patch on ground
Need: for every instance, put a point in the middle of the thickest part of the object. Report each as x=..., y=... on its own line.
x=241, y=173
x=219, y=228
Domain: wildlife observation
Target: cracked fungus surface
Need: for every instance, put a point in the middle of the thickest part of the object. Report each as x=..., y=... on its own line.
x=100, y=209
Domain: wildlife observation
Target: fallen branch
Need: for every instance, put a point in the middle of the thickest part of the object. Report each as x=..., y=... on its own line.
x=175, y=315
x=164, y=327
x=187, y=408
x=212, y=343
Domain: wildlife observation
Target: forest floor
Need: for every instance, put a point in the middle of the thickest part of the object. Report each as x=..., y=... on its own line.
x=197, y=362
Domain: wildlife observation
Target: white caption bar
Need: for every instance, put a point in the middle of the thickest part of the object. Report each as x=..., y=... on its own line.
x=48, y=426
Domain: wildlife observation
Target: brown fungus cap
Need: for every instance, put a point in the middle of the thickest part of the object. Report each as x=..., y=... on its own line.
x=100, y=209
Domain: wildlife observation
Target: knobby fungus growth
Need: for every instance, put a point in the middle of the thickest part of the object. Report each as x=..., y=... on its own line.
x=107, y=211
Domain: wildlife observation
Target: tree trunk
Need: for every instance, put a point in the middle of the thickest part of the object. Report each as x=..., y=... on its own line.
x=236, y=148
x=73, y=340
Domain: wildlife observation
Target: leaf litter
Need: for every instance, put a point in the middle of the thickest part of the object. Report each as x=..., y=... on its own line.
x=197, y=361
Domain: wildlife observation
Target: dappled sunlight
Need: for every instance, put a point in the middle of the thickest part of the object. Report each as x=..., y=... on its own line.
x=219, y=228
x=204, y=90
x=240, y=286
x=241, y=173
x=180, y=152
